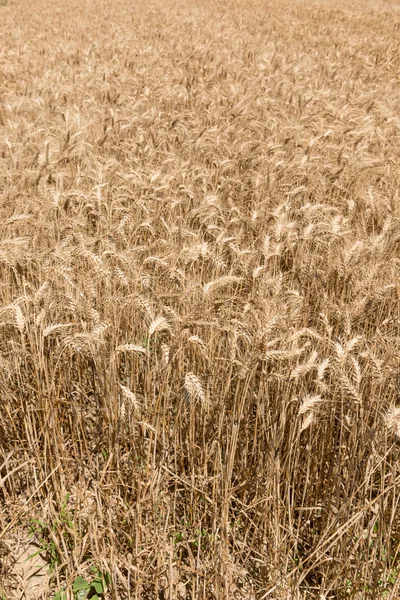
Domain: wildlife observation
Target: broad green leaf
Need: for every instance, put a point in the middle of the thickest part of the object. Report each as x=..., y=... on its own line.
x=80, y=584
x=60, y=595
x=97, y=584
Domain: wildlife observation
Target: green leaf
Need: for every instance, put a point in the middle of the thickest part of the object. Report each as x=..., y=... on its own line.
x=81, y=595
x=2, y=594
x=60, y=595
x=65, y=501
x=40, y=551
x=94, y=597
x=97, y=584
x=38, y=523
x=80, y=584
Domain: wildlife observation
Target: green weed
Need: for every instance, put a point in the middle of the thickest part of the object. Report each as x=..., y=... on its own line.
x=93, y=589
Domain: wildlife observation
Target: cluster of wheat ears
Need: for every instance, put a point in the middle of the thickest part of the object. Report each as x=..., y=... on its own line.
x=199, y=294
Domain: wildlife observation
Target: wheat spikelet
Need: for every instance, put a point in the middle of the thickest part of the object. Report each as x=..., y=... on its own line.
x=156, y=260
x=258, y=270
x=5, y=366
x=144, y=304
x=85, y=343
x=194, y=389
x=220, y=282
x=322, y=368
x=165, y=352
x=19, y=318
x=305, y=368
x=307, y=421
x=281, y=355
x=309, y=403
x=357, y=376
x=350, y=388
x=173, y=316
x=392, y=420
x=40, y=317
x=131, y=348
x=18, y=218
x=398, y=289
x=55, y=327
x=40, y=292
x=195, y=339
x=191, y=254
x=131, y=397
x=232, y=350
x=340, y=351
x=147, y=282
x=122, y=277
x=266, y=245
x=351, y=344
x=307, y=408
x=305, y=331
x=160, y=323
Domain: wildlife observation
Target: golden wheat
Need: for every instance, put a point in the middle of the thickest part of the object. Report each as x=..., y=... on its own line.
x=199, y=296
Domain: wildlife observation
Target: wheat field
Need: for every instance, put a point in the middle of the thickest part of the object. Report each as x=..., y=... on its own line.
x=199, y=298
